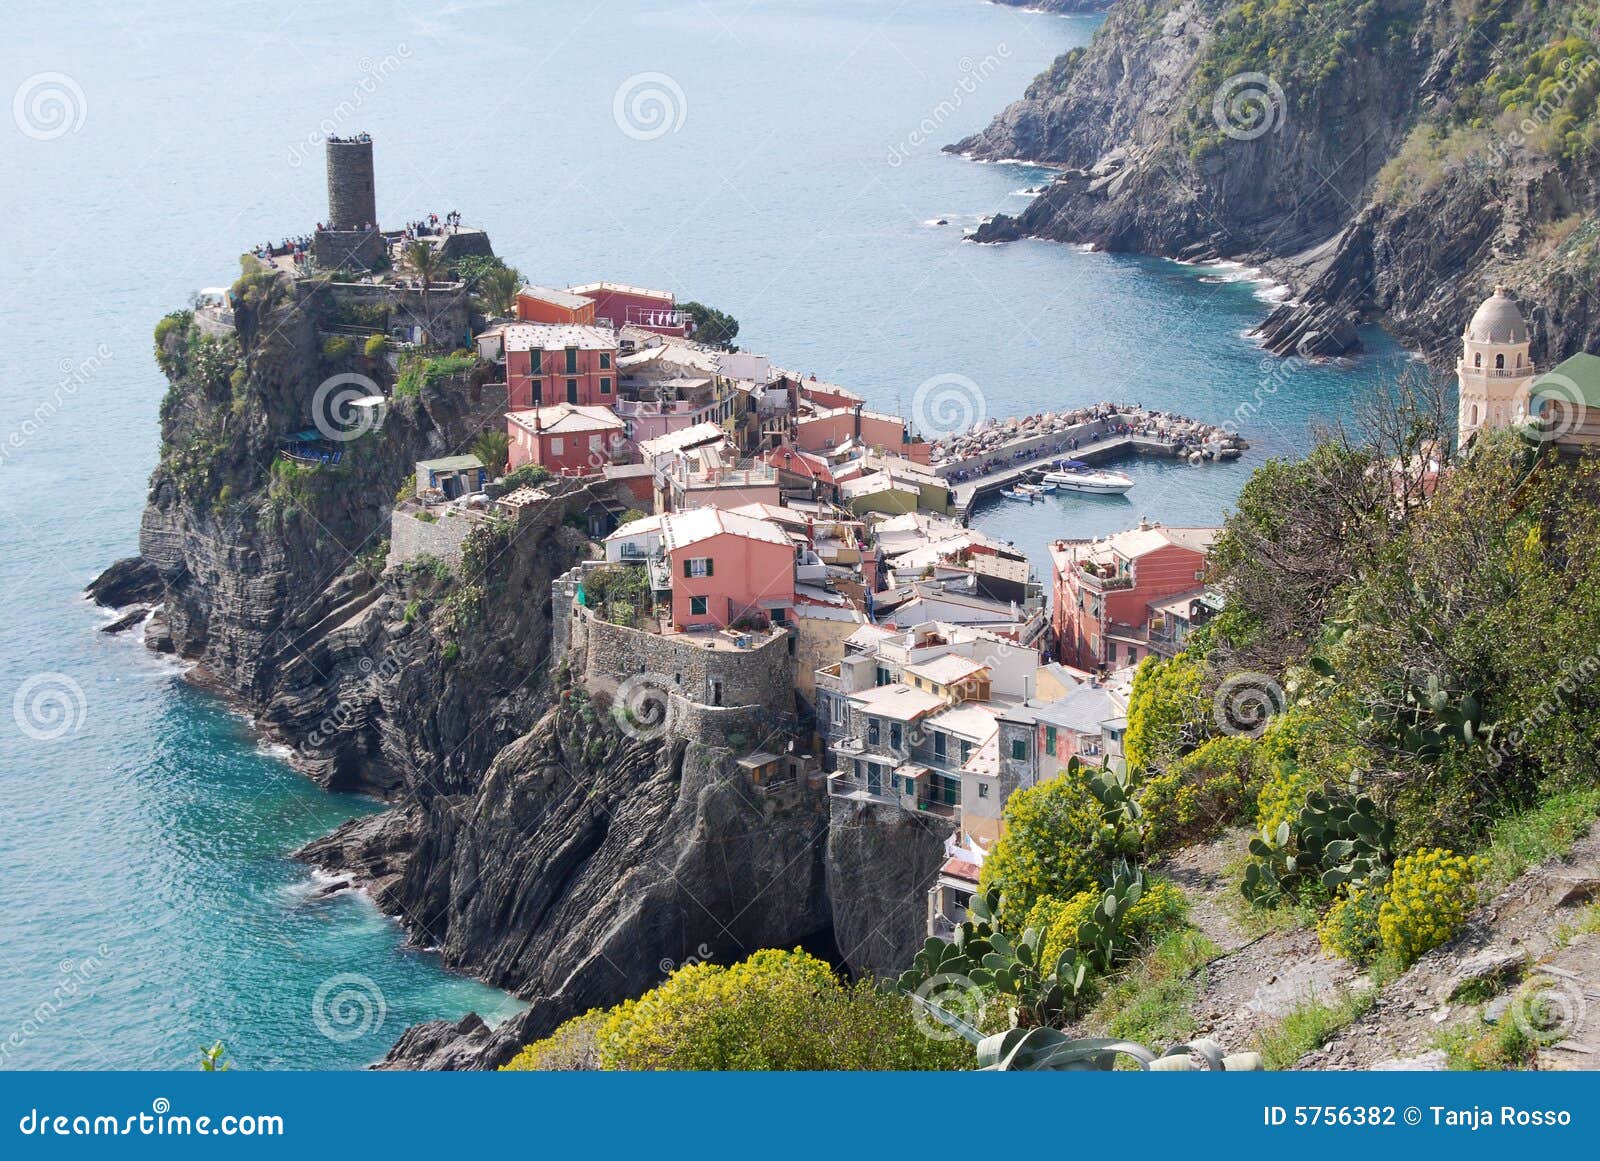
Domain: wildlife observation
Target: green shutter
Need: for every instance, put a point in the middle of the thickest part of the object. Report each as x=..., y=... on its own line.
x=710, y=566
x=686, y=567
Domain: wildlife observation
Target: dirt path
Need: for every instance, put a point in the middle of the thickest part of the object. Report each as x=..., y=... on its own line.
x=1523, y=934
x=1260, y=978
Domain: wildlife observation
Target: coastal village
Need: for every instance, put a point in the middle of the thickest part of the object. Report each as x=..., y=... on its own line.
x=766, y=541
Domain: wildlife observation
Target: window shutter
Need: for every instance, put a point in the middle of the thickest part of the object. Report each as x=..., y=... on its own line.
x=686, y=567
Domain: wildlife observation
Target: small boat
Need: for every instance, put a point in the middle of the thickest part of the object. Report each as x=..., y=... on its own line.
x=1016, y=494
x=1031, y=489
x=1077, y=476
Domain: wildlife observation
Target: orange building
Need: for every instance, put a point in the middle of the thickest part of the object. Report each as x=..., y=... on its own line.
x=541, y=304
x=727, y=568
x=1104, y=591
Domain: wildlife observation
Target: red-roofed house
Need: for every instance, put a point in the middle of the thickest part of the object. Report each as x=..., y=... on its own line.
x=727, y=568
x=566, y=440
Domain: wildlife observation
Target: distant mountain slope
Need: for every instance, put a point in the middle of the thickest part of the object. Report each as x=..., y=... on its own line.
x=1388, y=158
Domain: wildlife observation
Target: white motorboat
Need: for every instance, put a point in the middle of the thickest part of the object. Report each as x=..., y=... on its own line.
x=1077, y=476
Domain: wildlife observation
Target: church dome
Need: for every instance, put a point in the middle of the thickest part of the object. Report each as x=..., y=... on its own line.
x=1498, y=321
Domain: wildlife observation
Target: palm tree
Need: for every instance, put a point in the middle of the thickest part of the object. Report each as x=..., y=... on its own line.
x=424, y=263
x=498, y=289
x=493, y=448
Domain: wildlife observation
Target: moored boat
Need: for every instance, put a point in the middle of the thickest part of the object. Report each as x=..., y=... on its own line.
x=1077, y=476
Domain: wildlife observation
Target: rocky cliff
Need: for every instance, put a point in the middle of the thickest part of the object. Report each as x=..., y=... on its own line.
x=1389, y=159
x=531, y=841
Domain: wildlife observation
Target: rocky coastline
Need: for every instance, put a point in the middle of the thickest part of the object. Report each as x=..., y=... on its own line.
x=530, y=841
x=1314, y=166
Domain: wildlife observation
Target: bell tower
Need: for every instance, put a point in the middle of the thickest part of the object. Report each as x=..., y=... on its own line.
x=1495, y=370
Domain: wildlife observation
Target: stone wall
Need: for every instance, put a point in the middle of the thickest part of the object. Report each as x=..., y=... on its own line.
x=410, y=536
x=606, y=655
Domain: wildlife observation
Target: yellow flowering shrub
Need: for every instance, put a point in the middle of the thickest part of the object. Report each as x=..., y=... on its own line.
x=1430, y=894
x=776, y=1010
x=1349, y=929
x=1284, y=795
x=1200, y=793
x=1162, y=905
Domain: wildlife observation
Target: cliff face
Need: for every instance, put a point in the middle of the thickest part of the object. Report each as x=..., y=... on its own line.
x=1381, y=158
x=532, y=841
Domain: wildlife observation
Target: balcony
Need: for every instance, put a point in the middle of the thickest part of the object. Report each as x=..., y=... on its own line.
x=1104, y=580
x=845, y=786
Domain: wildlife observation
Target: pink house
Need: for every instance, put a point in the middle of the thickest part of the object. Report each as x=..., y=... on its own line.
x=727, y=568
x=1103, y=590
x=548, y=363
x=566, y=440
x=651, y=310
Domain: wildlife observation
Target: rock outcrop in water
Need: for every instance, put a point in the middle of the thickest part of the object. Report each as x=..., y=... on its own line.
x=531, y=841
x=1359, y=152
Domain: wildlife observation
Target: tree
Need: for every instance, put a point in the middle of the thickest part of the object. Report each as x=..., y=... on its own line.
x=497, y=290
x=777, y=1010
x=493, y=448
x=1059, y=837
x=1166, y=710
x=495, y=283
x=711, y=326
x=425, y=264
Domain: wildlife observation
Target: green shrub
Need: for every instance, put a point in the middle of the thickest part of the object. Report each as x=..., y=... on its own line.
x=336, y=348
x=1200, y=793
x=777, y=1010
x=374, y=346
x=1160, y=908
x=1056, y=841
x=1430, y=895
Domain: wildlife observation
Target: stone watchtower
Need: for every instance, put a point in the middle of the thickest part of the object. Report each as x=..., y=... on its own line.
x=1496, y=370
x=352, y=191
x=350, y=237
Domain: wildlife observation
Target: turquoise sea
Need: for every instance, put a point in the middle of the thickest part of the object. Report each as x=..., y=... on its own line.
x=780, y=160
